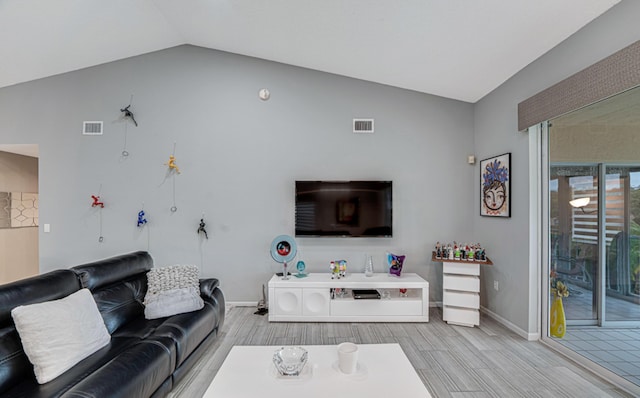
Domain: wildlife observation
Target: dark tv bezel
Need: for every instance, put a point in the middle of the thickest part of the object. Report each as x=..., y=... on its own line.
x=312, y=234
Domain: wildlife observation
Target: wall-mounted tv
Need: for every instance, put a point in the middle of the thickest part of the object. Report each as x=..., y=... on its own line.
x=344, y=208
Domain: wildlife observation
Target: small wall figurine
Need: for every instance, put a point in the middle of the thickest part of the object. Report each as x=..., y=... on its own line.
x=141, y=219
x=96, y=201
x=129, y=114
x=172, y=164
x=201, y=228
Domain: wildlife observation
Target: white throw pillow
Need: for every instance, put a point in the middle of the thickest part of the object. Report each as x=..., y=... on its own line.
x=172, y=290
x=60, y=333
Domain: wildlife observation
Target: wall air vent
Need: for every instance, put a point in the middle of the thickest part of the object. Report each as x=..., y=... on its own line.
x=363, y=125
x=92, y=128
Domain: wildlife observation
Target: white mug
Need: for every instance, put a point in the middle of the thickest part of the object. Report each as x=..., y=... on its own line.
x=347, y=357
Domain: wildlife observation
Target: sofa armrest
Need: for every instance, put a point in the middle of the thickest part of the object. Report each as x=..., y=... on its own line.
x=207, y=286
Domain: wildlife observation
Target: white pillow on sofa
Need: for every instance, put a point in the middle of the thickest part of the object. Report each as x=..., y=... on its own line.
x=58, y=334
x=172, y=290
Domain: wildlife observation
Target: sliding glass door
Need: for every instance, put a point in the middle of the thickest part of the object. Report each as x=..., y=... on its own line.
x=574, y=238
x=596, y=295
x=594, y=211
x=622, y=269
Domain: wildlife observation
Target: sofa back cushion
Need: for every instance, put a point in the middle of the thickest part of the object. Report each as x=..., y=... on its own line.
x=105, y=272
x=58, y=334
x=172, y=290
x=14, y=364
x=118, y=285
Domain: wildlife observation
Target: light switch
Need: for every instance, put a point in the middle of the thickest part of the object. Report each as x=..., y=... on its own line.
x=47, y=227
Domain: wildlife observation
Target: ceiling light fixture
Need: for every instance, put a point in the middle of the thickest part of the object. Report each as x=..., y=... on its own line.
x=581, y=203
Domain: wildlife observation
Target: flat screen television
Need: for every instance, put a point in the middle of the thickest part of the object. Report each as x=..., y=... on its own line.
x=344, y=208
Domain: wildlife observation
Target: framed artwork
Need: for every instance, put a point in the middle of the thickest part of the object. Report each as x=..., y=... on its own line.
x=18, y=209
x=495, y=186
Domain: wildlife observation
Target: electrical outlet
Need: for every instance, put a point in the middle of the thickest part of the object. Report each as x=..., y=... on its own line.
x=495, y=285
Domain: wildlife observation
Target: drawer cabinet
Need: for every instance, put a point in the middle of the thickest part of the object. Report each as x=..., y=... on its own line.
x=461, y=291
x=315, y=302
x=461, y=299
x=287, y=302
x=461, y=283
x=461, y=316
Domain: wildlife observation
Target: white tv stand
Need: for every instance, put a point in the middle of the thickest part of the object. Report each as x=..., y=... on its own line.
x=309, y=299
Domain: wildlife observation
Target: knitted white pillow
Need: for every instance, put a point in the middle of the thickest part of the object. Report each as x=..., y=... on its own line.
x=58, y=334
x=172, y=290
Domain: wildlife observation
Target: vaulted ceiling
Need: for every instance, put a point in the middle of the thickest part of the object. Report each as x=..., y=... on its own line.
x=459, y=49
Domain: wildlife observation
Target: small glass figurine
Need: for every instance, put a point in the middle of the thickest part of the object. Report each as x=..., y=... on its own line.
x=368, y=266
x=300, y=266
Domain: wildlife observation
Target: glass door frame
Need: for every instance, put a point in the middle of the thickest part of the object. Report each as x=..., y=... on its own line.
x=539, y=143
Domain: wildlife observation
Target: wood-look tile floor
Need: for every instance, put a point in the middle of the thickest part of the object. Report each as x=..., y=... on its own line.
x=452, y=361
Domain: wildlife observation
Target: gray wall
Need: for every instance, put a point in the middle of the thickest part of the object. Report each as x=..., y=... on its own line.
x=239, y=158
x=495, y=126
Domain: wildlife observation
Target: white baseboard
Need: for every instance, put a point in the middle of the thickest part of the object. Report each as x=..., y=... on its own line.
x=242, y=303
x=522, y=333
x=498, y=318
x=255, y=304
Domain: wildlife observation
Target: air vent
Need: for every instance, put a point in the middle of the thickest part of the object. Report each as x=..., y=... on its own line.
x=363, y=125
x=92, y=128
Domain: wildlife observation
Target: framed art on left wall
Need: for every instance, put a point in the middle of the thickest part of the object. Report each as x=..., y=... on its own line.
x=495, y=186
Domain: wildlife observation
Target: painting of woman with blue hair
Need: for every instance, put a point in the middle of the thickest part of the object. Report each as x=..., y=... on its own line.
x=495, y=180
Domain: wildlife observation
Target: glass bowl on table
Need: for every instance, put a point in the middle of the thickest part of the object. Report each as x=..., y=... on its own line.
x=290, y=360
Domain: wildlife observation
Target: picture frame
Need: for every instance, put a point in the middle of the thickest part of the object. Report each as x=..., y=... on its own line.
x=495, y=186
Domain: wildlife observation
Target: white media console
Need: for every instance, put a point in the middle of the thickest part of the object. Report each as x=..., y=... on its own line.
x=314, y=299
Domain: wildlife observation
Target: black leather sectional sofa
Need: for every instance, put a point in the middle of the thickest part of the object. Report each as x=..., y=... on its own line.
x=145, y=358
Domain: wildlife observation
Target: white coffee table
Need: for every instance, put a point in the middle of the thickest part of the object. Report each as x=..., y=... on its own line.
x=383, y=371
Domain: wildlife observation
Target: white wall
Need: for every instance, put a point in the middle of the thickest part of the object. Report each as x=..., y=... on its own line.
x=239, y=158
x=495, y=126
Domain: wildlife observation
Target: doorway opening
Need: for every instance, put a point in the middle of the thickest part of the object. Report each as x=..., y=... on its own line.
x=19, y=219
